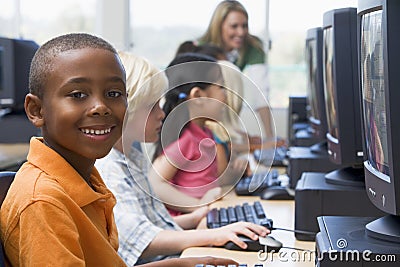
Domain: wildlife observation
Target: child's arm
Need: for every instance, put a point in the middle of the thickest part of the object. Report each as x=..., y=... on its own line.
x=161, y=174
x=172, y=242
x=191, y=220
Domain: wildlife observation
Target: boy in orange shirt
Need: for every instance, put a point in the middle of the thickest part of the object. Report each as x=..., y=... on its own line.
x=58, y=212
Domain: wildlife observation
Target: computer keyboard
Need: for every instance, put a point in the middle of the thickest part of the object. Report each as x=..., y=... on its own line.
x=246, y=185
x=268, y=157
x=244, y=213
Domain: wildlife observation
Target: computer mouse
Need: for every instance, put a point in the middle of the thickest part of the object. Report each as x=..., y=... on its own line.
x=254, y=245
x=271, y=243
x=277, y=193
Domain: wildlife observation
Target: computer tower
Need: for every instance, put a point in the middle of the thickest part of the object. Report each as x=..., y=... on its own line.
x=305, y=159
x=342, y=241
x=314, y=197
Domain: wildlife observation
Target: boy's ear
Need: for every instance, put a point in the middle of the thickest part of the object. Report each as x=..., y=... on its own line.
x=33, y=109
x=196, y=92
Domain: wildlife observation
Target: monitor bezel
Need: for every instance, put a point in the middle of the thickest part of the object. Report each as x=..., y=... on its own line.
x=345, y=151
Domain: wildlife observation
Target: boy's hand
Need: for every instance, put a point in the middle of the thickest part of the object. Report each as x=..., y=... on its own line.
x=230, y=232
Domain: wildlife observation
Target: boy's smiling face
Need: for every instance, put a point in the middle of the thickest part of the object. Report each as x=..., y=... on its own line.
x=83, y=104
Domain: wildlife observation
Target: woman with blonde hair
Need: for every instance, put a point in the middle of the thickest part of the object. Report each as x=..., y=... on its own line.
x=229, y=30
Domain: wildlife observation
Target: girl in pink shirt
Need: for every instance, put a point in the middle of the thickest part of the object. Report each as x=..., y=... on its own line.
x=185, y=173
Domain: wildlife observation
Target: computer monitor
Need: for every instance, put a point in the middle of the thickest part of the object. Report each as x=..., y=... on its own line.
x=379, y=64
x=342, y=96
x=15, y=59
x=315, y=86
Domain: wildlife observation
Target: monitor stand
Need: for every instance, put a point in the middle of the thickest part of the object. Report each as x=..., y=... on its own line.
x=315, y=196
x=350, y=176
x=308, y=159
x=344, y=241
x=385, y=228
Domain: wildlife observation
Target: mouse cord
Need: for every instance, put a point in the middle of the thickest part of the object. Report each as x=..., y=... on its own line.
x=299, y=249
x=295, y=231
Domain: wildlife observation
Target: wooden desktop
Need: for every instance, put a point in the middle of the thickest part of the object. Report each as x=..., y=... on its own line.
x=282, y=214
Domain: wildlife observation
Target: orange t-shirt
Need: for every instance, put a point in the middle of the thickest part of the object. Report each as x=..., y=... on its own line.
x=52, y=217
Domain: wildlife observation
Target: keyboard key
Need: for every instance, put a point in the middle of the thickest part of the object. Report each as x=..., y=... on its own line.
x=259, y=210
x=239, y=213
x=213, y=218
x=232, y=215
x=223, y=217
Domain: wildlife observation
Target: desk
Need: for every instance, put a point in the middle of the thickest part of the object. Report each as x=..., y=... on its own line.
x=282, y=213
x=12, y=155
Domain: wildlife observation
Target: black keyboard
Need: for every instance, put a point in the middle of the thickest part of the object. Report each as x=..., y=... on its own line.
x=268, y=157
x=262, y=180
x=242, y=213
x=230, y=265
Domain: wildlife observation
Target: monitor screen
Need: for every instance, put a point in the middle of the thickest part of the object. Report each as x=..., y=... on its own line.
x=329, y=83
x=311, y=59
x=15, y=59
x=373, y=89
x=315, y=87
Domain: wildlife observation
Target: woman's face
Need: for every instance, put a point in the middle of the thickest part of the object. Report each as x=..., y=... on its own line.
x=234, y=30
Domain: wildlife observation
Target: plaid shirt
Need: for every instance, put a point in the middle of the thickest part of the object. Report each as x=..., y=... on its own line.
x=139, y=216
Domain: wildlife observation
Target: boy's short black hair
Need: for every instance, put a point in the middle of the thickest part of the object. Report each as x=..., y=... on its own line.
x=42, y=62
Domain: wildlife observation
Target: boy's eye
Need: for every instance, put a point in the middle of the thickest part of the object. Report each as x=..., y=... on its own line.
x=78, y=95
x=114, y=94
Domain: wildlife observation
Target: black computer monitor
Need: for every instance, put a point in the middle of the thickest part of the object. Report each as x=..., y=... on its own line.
x=15, y=59
x=342, y=96
x=315, y=86
x=379, y=64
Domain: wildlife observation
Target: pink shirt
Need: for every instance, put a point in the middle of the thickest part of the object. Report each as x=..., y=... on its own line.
x=194, y=154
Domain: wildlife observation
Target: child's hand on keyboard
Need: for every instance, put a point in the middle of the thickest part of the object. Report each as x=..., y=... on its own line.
x=230, y=232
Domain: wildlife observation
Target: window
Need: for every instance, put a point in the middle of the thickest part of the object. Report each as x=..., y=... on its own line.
x=41, y=20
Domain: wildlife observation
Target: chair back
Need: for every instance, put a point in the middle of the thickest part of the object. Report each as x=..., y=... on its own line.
x=6, y=178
